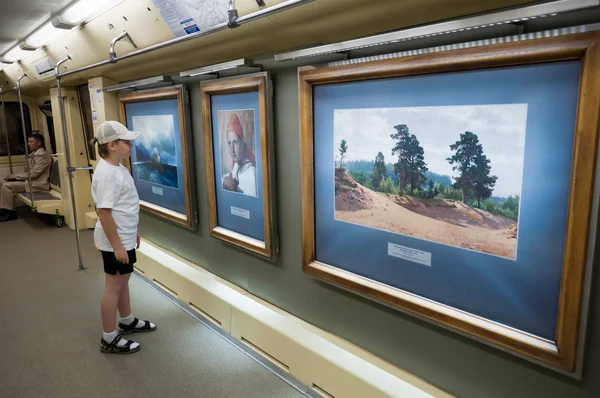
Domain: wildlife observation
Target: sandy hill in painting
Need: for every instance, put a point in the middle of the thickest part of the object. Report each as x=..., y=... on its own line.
x=441, y=220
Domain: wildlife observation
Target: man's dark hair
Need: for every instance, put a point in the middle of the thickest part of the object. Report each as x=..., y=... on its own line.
x=38, y=137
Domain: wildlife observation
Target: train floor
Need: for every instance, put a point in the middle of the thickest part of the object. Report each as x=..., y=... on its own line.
x=50, y=330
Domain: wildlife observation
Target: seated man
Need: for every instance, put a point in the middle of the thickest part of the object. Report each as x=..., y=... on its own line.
x=39, y=167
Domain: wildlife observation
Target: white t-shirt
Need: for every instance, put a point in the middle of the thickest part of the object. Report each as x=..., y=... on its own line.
x=114, y=188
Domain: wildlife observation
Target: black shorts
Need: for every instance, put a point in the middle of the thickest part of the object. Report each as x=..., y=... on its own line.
x=112, y=266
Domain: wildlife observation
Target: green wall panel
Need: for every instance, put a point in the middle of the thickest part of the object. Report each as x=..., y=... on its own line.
x=452, y=362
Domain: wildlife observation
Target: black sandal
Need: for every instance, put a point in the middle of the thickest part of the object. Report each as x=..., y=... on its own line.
x=113, y=348
x=132, y=328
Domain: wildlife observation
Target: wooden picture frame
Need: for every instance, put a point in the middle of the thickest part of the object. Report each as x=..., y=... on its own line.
x=170, y=193
x=562, y=353
x=230, y=220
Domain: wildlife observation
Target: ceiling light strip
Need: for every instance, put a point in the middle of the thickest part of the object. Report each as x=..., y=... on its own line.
x=460, y=25
x=51, y=30
x=478, y=43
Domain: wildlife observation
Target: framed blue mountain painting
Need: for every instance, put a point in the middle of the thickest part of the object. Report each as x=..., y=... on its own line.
x=160, y=160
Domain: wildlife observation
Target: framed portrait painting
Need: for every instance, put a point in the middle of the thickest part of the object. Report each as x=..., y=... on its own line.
x=239, y=158
x=457, y=186
x=160, y=161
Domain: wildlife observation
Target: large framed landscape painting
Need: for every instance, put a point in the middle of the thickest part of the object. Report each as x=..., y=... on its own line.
x=160, y=160
x=440, y=182
x=458, y=187
x=239, y=162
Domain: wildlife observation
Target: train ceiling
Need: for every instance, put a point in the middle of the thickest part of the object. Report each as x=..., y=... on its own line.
x=315, y=23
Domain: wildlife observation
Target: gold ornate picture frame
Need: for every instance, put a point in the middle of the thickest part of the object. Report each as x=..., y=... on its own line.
x=238, y=143
x=161, y=161
x=386, y=230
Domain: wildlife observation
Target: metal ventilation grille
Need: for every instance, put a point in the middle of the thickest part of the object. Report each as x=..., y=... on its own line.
x=32, y=18
x=478, y=43
x=44, y=10
x=51, y=6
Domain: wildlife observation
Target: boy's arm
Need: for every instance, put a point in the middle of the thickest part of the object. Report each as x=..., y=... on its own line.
x=107, y=191
x=110, y=229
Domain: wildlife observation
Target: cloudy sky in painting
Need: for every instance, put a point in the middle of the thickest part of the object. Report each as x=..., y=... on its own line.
x=500, y=128
x=156, y=131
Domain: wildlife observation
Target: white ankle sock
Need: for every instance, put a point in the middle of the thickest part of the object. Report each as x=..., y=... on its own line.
x=109, y=337
x=128, y=320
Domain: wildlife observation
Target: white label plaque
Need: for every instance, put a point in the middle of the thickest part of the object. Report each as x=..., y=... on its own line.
x=157, y=190
x=407, y=253
x=236, y=211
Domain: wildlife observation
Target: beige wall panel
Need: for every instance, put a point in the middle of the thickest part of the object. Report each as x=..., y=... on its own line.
x=107, y=109
x=354, y=350
x=251, y=325
x=287, y=341
x=218, y=47
x=211, y=306
x=146, y=264
x=316, y=361
x=172, y=282
x=208, y=293
x=42, y=122
x=78, y=156
x=323, y=19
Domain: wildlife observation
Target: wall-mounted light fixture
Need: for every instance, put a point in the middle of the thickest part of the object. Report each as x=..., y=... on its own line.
x=156, y=81
x=244, y=65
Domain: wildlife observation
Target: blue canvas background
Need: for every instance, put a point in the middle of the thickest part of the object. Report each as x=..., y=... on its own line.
x=255, y=226
x=172, y=198
x=523, y=293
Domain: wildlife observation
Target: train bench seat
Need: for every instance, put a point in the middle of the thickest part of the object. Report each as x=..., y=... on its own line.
x=50, y=202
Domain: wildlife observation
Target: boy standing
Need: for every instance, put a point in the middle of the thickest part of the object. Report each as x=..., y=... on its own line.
x=116, y=234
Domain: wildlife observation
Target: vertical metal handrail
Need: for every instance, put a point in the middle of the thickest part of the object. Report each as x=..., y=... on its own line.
x=67, y=155
x=25, y=137
x=233, y=16
x=4, y=127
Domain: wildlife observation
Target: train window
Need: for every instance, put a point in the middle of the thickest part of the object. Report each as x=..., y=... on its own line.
x=14, y=127
x=47, y=111
x=86, y=114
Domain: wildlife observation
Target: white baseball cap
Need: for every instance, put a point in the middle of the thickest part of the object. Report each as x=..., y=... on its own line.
x=112, y=130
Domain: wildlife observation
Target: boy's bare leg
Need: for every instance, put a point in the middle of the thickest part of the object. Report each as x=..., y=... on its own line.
x=126, y=323
x=110, y=301
x=115, y=284
x=124, y=304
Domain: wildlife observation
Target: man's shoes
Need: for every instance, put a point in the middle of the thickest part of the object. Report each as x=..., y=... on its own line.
x=2, y=211
x=8, y=215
